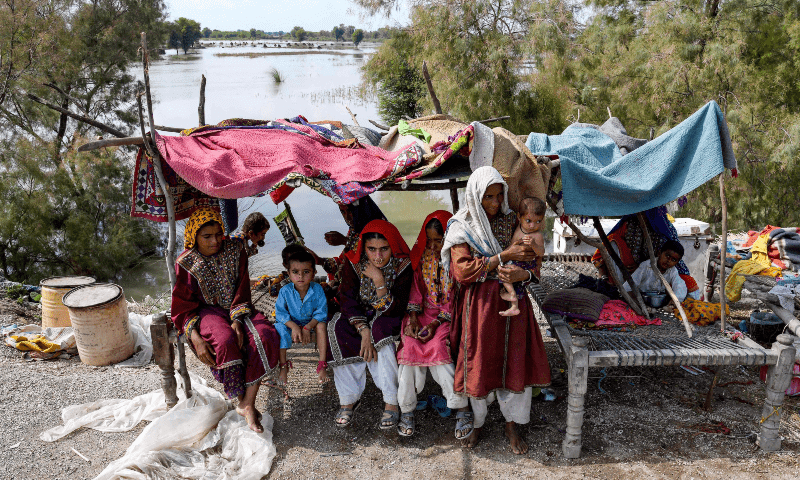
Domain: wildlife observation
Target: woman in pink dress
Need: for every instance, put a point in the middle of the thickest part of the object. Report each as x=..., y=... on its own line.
x=424, y=342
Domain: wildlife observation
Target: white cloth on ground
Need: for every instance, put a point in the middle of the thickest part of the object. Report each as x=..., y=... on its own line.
x=645, y=278
x=515, y=407
x=351, y=379
x=412, y=381
x=470, y=224
x=786, y=294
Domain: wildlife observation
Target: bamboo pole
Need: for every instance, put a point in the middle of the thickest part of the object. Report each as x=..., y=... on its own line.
x=170, y=254
x=81, y=118
x=723, y=300
x=654, y=266
x=429, y=83
x=622, y=268
x=201, y=109
x=110, y=142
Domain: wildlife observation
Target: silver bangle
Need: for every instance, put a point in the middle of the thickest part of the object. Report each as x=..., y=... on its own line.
x=530, y=276
x=499, y=260
x=380, y=288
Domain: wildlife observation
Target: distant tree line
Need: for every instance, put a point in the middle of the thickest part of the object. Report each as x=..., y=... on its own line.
x=339, y=33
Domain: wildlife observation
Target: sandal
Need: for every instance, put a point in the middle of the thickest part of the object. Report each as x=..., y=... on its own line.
x=346, y=413
x=464, y=421
x=391, y=416
x=406, y=425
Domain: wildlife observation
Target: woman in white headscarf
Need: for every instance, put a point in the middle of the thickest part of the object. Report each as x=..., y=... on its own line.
x=496, y=357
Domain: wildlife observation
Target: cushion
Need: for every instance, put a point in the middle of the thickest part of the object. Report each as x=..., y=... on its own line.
x=580, y=303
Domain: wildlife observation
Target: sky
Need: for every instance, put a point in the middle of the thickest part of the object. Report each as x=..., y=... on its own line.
x=277, y=15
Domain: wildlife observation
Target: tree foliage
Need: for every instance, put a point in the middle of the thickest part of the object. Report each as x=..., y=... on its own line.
x=190, y=32
x=299, y=34
x=63, y=212
x=400, y=84
x=358, y=36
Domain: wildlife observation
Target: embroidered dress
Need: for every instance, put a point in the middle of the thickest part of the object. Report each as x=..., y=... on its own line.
x=363, y=213
x=212, y=292
x=491, y=352
x=249, y=248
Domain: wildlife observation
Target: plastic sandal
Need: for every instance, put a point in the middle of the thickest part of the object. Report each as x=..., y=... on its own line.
x=422, y=405
x=440, y=405
x=391, y=416
x=345, y=413
x=406, y=424
x=464, y=422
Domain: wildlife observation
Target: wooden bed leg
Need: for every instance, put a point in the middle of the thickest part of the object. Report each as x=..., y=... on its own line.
x=578, y=376
x=779, y=377
x=164, y=357
x=187, y=382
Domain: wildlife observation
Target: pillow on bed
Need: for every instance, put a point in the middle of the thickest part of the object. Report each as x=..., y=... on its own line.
x=580, y=303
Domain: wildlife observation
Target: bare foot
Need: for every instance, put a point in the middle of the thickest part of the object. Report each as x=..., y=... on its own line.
x=473, y=439
x=518, y=445
x=283, y=376
x=252, y=416
x=323, y=376
x=508, y=297
x=513, y=311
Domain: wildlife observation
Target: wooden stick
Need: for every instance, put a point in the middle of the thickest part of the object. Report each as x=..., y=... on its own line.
x=423, y=187
x=710, y=394
x=379, y=125
x=654, y=266
x=723, y=300
x=81, y=118
x=169, y=129
x=169, y=256
x=454, y=194
x=352, y=116
x=429, y=83
x=111, y=142
x=201, y=109
x=622, y=268
x=496, y=119
x=609, y=112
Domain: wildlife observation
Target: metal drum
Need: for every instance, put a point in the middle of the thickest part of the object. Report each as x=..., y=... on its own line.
x=54, y=313
x=99, y=316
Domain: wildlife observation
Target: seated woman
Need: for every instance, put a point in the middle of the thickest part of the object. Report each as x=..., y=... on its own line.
x=211, y=306
x=496, y=357
x=627, y=239
x=424, y=344
x=373, y=296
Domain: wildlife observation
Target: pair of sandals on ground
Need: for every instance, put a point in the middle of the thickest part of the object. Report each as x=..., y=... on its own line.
x=405, y=422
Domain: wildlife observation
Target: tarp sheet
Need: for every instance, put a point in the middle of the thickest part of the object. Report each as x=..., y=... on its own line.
x=598, y=180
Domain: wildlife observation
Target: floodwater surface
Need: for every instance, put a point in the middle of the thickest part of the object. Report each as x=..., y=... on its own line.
x=317, y=86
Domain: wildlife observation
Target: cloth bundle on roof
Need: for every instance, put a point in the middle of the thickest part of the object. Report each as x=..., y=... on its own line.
x=598, y=180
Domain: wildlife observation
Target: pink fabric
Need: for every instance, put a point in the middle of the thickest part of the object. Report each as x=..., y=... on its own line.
x=435, y=351
x=617, y=312
x=794, y=386
x=236, y=163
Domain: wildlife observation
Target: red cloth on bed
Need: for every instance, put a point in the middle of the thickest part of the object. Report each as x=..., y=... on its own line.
x=237, y=163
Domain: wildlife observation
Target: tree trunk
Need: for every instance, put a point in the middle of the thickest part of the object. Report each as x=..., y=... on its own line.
x=62, y=129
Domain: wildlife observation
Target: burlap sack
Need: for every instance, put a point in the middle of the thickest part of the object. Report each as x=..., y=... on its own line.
x=518, y=167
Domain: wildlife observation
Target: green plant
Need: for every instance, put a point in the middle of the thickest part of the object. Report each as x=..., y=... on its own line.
x=277, y=77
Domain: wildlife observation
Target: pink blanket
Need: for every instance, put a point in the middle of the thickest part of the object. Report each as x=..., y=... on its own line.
x=237, y=163
x=617, y=312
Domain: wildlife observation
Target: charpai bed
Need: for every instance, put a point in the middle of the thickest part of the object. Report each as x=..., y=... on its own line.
x=647, y=346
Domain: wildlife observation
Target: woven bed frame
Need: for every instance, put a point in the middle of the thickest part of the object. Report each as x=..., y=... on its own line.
x=664, y=345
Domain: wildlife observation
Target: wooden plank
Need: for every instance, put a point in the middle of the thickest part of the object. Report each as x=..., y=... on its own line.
x=423, y=187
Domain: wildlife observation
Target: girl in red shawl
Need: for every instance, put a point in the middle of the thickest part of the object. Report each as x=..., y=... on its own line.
x=211, y=306
x=424, y=343
x=497, y=357
x=373, y=296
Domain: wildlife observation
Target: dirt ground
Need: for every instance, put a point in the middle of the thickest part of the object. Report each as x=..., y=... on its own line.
x=640, y=422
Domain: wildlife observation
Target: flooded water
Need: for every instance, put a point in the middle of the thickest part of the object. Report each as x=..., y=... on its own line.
x=317, y=86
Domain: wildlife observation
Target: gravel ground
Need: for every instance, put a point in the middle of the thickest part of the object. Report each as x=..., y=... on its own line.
x=646, y=425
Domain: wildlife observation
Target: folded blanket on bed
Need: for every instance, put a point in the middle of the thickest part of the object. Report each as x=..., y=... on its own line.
x=787, y=243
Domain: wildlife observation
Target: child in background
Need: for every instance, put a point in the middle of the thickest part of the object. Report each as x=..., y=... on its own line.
x=254, y=228
x=646, y=279
x=530, y=220
x=300, y=309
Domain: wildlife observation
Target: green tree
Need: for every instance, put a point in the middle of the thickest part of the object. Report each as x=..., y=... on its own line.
x=338, y=33
x=358, y=36
x=190, y=33
x=174, y=40
x=206, y=32
x=298, y=34
x=62, y=212
x=400, y=85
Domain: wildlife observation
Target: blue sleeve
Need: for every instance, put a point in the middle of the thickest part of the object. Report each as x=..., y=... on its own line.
x=321, y=305
x=282, y=308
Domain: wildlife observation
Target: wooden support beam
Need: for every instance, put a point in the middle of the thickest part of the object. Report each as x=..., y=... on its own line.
x=80, y=118
x=423, y=187
x=111, y=142
x=723, y=300
x=454, y=195
x=654, y=265
x=379, y=125
x=201, y=109
x=791, y=322
x=618, y=262
x=496, y=119
x=169, y=129
x=779, y=376
x=170, y=204
x=429, y=83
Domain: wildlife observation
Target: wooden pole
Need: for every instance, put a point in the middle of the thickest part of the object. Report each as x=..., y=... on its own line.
x=352, y=116
x=379, y=125
x=618, y=261
x=496, y=119
x=201, y=109
x=169, y=129
x=429, y=83
x=111, y=142
x=723, y=300
x=170, y=254
x=81, y=118
x=654, y=266
x=454, y=194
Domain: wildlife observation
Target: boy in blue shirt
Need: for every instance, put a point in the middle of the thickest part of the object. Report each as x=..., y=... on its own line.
x=301, y=307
